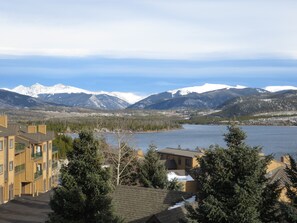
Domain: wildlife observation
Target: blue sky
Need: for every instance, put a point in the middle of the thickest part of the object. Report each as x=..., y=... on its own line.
x=148, y=46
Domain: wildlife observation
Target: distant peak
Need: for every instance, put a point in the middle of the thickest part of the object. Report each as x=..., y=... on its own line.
x=279, y=88
x=37, y=89
x=204, y=88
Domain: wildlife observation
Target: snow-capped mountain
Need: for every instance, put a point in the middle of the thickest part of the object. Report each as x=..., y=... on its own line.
x=38, y=89
x=279, y=88
x=200, y=97
x=204, y=88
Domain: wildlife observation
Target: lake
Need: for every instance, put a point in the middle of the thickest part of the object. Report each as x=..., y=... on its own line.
x=276, y=140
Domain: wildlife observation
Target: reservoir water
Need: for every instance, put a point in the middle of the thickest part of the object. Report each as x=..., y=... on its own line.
x=275, y=140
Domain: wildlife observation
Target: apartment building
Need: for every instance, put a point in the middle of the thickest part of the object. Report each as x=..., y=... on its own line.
x=31, y=162
x=7, y=148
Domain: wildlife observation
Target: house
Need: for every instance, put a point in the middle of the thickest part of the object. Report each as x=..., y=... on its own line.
x=180, y=159
x=180, y=164
x=148, y=205
x=30, y=160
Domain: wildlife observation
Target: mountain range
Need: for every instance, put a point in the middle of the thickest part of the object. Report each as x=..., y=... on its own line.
x=230, y=100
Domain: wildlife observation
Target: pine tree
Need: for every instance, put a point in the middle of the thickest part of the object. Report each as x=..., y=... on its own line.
x=152, y=171
x=233, y=183
x=291, y=208
x=83, y=196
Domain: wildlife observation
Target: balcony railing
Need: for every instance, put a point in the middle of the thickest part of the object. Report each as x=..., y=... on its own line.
x=37, y=155
x=19, y=168
x=20, y=147
x=37, y=174
x=55, y=164
x=55, y=149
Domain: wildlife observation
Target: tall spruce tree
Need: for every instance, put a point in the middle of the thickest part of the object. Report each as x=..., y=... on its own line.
x=152, y=171
x=291, y=208
x=83, y=196
x=233, y=183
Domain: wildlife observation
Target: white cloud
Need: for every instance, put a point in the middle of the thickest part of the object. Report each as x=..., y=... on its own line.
x=149, y=29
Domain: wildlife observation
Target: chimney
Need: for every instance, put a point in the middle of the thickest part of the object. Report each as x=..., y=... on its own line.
x=3, y=121
x=42, y=129
x=32, y=129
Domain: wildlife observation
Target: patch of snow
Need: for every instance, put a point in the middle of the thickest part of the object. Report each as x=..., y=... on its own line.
x=182, y=203
x=204, y=88
x=266, y=100
x=279, y=88
x=96, y=102
x=171, y=176
x=129, y=97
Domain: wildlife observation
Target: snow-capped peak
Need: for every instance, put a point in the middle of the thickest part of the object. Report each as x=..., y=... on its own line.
x=279, y=88
x=204, y=88
x=37, y=89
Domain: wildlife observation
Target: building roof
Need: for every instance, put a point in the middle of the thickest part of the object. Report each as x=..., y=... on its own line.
x=169, y=216
x=6, y=132
x=180, y=152
x=37, y=137
x=139, y=204
x=278, y=174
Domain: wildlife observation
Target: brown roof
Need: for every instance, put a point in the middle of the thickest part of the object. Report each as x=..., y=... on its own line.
x=6, y=132
x=180, y=152
x=175, y=215
x=37, y=137
x=138, y=204
x=278, y=174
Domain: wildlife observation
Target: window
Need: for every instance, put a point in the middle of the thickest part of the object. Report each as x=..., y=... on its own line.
x=1, y=168
x=11, y=144
x=39, y=167
x=10, y=165
x=38, y=149
x=188, y=162
x=1, y=145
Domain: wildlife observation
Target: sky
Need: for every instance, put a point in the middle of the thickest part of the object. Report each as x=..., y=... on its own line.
x=147, y=46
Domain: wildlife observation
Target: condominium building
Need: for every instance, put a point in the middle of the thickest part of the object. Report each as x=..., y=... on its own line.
x=28, y=158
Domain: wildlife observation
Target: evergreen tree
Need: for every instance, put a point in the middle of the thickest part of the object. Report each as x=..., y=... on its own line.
x=291, y=208
x=64, y=143
x=233, y=183
x=175, y=185
x=152, y=171
x=83, y=196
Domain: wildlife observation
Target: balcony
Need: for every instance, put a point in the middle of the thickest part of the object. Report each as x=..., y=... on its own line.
x=55, y=149
x=19, y=168
x=19, y=147
x=37, y=155
x=55, y=164
x=37, y=174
